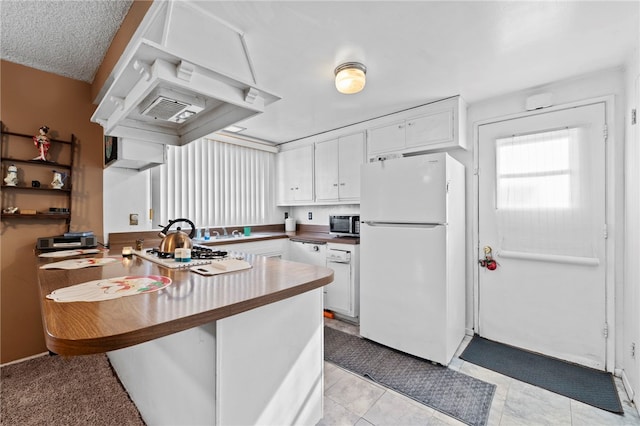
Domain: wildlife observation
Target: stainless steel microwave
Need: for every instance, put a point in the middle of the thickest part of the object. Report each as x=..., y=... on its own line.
x=346, y=225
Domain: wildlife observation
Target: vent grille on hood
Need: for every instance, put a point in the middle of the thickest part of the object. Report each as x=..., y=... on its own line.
x=163, y=108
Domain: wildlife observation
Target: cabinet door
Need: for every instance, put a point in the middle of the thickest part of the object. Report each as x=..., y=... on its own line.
x=303, y=173
x=430, y=129
x=327, y=177
x=350, y=158
x=295, y=175
x=387, y=138
x=310, y=253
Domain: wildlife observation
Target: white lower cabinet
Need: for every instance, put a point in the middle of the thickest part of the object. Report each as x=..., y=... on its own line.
x=268, y=248
x=342, y=296
x=254, y=368
x=305, y=252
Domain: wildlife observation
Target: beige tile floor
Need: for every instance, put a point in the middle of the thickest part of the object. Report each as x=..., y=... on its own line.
x=353, y=400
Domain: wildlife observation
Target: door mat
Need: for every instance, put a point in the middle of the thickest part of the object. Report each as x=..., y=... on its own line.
x=583, y=384
x=450, y=392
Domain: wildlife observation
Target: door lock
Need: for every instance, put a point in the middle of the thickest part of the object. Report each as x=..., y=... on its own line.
x=488, y=261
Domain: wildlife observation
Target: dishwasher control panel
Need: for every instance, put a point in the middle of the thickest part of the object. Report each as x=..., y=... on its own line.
x=339, y=256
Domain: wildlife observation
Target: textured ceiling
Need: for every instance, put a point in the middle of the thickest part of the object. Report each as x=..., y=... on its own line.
x=415, y=51
x=67, y=38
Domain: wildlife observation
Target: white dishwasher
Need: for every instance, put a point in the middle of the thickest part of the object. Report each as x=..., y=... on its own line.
x=342, y=295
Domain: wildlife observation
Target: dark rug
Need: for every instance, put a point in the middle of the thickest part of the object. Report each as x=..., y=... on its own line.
x=583, y=384
x=54, y=390
x=455, y=394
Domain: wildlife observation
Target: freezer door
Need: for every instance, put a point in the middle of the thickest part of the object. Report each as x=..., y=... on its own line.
x=405, y=190
x=403, y=289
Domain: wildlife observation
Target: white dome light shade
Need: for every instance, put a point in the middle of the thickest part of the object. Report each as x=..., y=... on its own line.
x=350, y=77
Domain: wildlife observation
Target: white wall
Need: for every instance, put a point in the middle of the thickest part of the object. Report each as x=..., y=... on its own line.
x=320, y=214
x=604, y=83
x=126, y=191
x=631, y=292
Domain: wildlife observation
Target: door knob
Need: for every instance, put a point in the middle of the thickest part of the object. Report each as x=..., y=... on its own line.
x=488, y=261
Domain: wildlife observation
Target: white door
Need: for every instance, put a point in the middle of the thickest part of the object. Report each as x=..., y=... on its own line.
x=542, y=213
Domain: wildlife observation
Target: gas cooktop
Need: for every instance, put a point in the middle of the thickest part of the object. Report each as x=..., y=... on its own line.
x=200, y=255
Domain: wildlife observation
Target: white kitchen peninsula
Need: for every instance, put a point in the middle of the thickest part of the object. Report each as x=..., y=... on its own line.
x=239, y=348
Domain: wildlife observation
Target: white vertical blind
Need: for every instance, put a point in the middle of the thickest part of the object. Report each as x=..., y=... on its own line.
x=543, y=200
x=215, y=183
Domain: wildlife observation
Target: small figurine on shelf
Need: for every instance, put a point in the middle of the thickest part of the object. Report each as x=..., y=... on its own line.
x=12, y=176
x=41, y=141
x=58, y=180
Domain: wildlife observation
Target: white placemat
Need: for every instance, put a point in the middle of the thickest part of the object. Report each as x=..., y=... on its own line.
x=110, y=288
x=67, y=253
x=85, y=262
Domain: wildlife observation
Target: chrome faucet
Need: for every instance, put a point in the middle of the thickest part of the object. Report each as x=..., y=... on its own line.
x=217, y=234
x=224, y=231
x=236, y=233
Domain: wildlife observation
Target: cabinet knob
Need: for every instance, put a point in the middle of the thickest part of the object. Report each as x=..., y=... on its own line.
x=411, y=123
x=335, y=184
x=342, y=184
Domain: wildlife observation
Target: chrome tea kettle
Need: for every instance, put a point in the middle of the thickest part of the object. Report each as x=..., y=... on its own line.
x=171, y=241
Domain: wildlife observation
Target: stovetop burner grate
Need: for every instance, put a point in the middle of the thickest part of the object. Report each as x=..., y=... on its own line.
x=197, y=252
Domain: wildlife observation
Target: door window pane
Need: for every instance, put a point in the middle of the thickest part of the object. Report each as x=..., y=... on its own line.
x=535, y=171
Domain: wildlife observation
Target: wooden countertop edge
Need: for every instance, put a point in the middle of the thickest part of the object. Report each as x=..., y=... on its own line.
x=66, y=347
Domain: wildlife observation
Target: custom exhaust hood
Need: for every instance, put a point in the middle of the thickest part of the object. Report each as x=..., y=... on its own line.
x=184, y=75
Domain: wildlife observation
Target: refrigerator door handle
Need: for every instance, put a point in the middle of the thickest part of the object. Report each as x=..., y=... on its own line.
x=404, y=225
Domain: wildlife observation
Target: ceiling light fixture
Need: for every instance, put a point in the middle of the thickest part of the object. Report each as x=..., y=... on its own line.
x=234, y=129
x=350, y=77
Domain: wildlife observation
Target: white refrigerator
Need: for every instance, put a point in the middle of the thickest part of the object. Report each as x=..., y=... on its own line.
x=412, y=253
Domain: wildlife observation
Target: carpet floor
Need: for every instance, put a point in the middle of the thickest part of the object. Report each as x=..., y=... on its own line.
x=593, y=387
x=55, y=390
x=455, y=394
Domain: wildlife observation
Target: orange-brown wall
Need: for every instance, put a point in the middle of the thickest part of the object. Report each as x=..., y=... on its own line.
x=30, y=99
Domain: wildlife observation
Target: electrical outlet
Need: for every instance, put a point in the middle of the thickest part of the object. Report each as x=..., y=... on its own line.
x=310, y=216
x=133, y=219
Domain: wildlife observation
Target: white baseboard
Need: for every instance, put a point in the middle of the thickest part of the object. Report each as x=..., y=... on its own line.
x=627, y=387
x=25, y=359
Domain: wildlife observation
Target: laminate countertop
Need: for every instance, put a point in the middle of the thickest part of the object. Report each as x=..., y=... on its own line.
x=79, y=328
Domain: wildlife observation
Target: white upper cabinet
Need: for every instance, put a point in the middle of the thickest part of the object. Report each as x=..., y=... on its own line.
x=436, y=126
x=295, y=176
x=337, y=165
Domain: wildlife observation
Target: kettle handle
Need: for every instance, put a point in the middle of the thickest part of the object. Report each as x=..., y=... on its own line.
x=164, y=231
